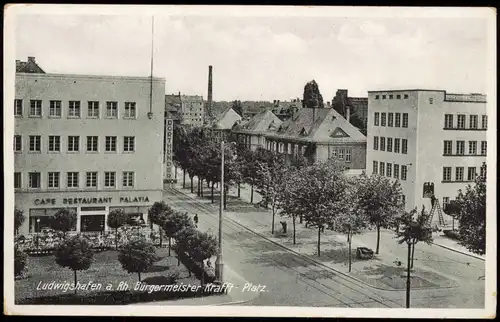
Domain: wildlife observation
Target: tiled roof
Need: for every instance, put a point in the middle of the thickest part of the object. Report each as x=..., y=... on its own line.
x=260, y=122
x=28, y=67
x=226, y=119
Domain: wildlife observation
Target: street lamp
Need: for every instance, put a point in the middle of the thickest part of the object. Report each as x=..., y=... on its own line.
x=219, y=264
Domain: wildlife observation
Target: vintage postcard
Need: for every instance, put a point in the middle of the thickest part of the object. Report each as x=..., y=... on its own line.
x=250, y=161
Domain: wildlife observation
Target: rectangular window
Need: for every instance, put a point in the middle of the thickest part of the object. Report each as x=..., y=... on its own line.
x=383, y=119
x=73, y=143
x=34, y=180
x=472, y=147
x=483, y=147
x=391, y=97
x=128, y=179
x=389, y=170
x=130, y=110
x=348, y=155
x=55, y=109
x=404, y=172
x=484, y=122
x=446, y=201
x=129, y=144
x=398, y=96
x=406, y=96
x=382, y=143
x=17, y=180
x=460, y=147
x=18, y=143
x=93, y=110
x=448, y=121
x=376, y=119
x=390, y=119
x=111, y=144
x=405, y=120
x=431, y=100
x=482, y=171
x=375, y=143
x=397, y=144
x=74, y=109
x=53, y=180
x=375, y=167
x=461, y=121
x=447, y=148
x=92, y=143
x=35, y=143
x=396, y=171
x=54, y=143
x=36, y=108
x=377, y=97
x=446, y=173
x=109, y=179
x=471, y=173
x=91, y=179
x=18, y=107
x=473, y=121
x=72, y=180
x=383, y=97
x=459, y=173
x=404, y=147
x=341, y=154
x=382, y=168
x=397, y=122
x=389, y=144
x=112, y=110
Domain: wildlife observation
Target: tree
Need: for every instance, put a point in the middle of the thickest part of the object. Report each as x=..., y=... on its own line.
x=201, y=247
x=19, y=219
x=472, y=216
x=287, y=196
x=63, y=220
x=20, y=261
x=157, y=215
x=237, y=107
x=137, y=256
x=381, y=200
x=116, y=219
x=76, y=254
x=175, y=223
x=312, y=97
x=453, y=210
x=183, y=242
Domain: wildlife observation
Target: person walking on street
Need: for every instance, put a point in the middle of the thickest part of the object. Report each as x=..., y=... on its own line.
x=195, y=219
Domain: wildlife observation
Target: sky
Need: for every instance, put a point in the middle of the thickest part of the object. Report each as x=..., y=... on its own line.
x=263, y=57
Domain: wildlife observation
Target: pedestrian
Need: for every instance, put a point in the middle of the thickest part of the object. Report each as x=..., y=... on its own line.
x=195, y=219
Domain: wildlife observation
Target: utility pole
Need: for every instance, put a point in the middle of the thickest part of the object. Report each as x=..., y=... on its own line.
x=408, y=280
x=219, y=262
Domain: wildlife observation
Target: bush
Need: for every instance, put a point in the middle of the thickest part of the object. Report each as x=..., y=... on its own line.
x=196, y=268
x=453, y=234
x=137, y=256
x=76, y=254
x=20, y=261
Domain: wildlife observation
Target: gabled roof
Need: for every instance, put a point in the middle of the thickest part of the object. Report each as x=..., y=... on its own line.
x=226, y=120
x=260, y=122
x=29, y=66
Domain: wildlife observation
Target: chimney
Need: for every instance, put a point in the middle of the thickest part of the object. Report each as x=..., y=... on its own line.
x=31, y=59
x=209, y=97
x=348, y=114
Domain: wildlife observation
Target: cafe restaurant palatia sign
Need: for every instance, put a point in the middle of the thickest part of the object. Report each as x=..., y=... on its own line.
x=86, y=201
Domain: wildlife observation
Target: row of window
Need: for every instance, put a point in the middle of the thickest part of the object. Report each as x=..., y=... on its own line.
x=459, y=173
x=460, y=148
x=390, y=170
x=73, y=143
x=340, y=154
x=73, y=180
x=399, y=144
x=74, y=109
x=391, y=96
x=390, y=119
x=473, y=122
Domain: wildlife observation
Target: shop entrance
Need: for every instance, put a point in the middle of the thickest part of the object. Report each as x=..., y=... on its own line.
x=92, y=223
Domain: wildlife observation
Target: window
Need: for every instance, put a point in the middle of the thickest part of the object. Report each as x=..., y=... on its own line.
x=406, y=96
x=473, y=121
x=377, y=97
x=382, y=168
x=390, y=119
x=72, y=180
x=375, y=143
x=446, y=173
x=389, y=144
x=404, y=147
x=403, y=197
x=112, y=110
x=18, y=107
x=398, y=96
x=471, y=173
x=93, y=109
x=391, y=97
x=383, y=97
x=447, y=148
x=459, y=174
x=348, y=155
x=405, y=119
x=448, y=121
x=18, y=143
x=389, y=170
x=55, y=109
x=396, y=171
x=397, y=143
x=111, y=144
x=484, y=122
x=17, y=180
x=128, y=179
x=36, y=108
x=382, y=143
x=482, y=171
x=109, y=179
x=431, y=100
x=128, y=144
x=92, y=143
x=73, y=143
x=35, y=143
x=130, y=110
x=383, y=119
x=375, y=167
x=54, y=143
x=341, y=154
x=74, y=109
x=460, y=147
x=461, y=121
x=376, y=119
x=334, y=153
x=397, y=122
x=473, y=147
x=53, y=180
x=483, y=147
x=34, y=180
x=404, y=172
x=91, y=180
x=446, y=201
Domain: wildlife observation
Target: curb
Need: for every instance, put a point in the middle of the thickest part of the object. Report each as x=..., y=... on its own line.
x=460, y=252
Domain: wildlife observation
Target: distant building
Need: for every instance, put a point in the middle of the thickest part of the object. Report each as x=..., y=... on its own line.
x=252, y=133
x=192, y=110
x=29, y=66
x=173, y=108
x=353, y=109
x=418, y=136
x=223, y=123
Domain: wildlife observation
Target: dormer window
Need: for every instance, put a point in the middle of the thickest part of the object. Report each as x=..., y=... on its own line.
x=303, y=132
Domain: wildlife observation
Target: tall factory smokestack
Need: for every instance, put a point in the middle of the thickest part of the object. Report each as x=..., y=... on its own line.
x=209, y=98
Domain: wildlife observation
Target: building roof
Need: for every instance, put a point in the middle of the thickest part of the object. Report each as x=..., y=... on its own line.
x=225, y=120
x=29, y=66
x=259, y=123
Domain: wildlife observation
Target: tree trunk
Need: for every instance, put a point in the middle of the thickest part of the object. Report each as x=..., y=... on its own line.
x=175, y=173
x=412, y=254
x=75, y=281
x=300, y=219
x=350, y=252
x=378, y=239
x=239, y=190
x=116, y=238
x=453, y=223
x=272, y=227
x=184, y=180
x=251, y=193
x=198, y=187
x=169, y=244
x=293, y=221
x=201, y=188
x=208, y=184
x=267, y=199
x=212, y=192
x=178, y=258
x=139, y=273
x=203, y=275
x=225, y=196
x=161, y=236
x=319, y=238
x=192, y=190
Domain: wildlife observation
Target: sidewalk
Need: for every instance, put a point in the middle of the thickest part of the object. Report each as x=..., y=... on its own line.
x=453, y=245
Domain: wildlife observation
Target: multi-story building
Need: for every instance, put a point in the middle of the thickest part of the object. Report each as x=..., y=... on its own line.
x=88, y=143
x=418, y=136
x=192, y=110
x=252, y=133
x=354, y=109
